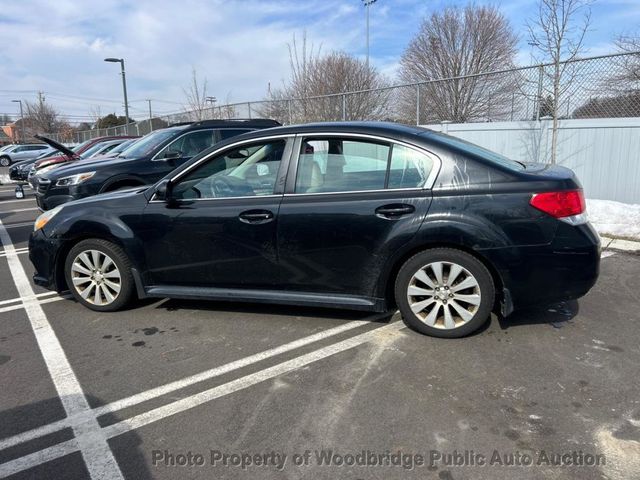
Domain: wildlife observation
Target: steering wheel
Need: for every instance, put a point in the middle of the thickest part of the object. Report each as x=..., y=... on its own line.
x=222, y=186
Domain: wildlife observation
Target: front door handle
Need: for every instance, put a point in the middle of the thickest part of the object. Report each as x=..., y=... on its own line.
x=395, y=210
x=256, y=217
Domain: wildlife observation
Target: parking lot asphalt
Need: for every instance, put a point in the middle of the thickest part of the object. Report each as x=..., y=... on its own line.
x=182, y=389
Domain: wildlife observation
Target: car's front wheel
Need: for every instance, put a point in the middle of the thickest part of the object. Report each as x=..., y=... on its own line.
x=98, y=274
x=444, y=292
x=5, y=161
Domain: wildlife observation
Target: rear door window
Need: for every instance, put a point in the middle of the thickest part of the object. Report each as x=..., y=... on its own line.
x=341, y=165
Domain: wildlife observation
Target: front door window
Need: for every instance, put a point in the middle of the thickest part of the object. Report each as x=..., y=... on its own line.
x=249, y=170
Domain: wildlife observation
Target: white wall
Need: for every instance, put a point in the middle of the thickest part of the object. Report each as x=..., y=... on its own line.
x=604, y=153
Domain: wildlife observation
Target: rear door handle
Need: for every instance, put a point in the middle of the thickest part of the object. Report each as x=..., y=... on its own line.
x=256, y=216
x=395, y=210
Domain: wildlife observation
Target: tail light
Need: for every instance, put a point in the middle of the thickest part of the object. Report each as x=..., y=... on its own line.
x=566, y=205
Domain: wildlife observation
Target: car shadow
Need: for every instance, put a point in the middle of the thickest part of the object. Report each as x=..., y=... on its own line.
x=558, y=315
x=126, y=449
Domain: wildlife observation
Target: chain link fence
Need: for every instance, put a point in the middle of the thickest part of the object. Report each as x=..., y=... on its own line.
x=597, y=87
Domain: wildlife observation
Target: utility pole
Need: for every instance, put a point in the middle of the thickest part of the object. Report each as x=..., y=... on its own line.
x=367, y=4
x=212, y=101
x=21, y=119
x=150, y=116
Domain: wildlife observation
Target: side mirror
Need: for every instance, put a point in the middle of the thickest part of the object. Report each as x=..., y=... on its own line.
x=170, y=156
x=163, y=190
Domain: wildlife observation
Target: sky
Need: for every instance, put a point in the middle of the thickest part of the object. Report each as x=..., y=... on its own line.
x=240, y=46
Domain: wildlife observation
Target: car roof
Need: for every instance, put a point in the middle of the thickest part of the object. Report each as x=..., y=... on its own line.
x=230, y=123
x=386, y=129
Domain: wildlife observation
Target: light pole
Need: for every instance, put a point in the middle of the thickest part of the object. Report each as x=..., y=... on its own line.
x=21, y=118
x=367, y=4
x=124, y=86
x=150, y=116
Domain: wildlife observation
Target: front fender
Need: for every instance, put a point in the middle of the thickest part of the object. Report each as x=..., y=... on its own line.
x=121, y=178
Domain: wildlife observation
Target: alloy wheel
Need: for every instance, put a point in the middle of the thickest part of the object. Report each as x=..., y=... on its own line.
x=96, y=277
x=444, y=295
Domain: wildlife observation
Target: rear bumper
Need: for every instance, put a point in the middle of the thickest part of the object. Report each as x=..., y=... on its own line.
x=564, y=270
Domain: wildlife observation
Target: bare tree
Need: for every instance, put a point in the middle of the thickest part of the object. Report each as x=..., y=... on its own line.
x=95, y=113
x=557, y=32
x=196, y=96
x=626, y=77
x=320, y=85
x=451, y=48
x=41, y=117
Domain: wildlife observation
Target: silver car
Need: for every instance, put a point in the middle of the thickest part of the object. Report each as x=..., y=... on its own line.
x=22, y=152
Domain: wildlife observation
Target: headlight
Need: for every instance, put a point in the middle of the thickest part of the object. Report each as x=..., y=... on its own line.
x=43, y=219
x=74, y=179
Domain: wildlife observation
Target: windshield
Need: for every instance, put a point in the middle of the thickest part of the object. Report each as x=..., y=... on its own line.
x=149, y=142
x=479, y=151
x=81, y=145
x=121, y=148
x=49, y=153
x=93, y=149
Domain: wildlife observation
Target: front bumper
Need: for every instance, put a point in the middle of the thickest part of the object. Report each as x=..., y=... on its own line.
x=46, y=202
x=43, y=255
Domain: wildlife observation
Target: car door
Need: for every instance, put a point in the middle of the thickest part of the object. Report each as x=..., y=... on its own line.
x=218, y=229
x=21, y=153
x=351, y=201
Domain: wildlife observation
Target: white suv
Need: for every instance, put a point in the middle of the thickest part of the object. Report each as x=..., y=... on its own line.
x=17, y=153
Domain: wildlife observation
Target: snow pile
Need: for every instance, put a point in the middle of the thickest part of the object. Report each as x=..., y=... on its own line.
x=615, y=219
x=4, y=179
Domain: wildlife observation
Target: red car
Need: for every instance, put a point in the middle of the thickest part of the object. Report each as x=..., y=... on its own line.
x=69, y=155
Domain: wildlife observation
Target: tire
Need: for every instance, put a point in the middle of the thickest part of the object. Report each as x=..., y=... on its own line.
x=432, y=305
x=5, y=161
x=87, y=268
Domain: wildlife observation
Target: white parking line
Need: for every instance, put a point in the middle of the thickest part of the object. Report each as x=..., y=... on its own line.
x=19, y=251
x=188, y=381
x=19, y=225
x=90, y=439
x=2, y=202
x=20, y=306
x=198, y=399
x=17, y=210
x=19, y=299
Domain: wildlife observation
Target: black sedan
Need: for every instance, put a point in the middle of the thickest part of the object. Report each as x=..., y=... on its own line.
x=347, y=215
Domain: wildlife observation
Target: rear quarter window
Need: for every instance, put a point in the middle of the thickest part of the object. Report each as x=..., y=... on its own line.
x=477, y=151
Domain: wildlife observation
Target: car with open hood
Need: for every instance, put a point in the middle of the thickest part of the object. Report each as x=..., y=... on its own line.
x=86, y=149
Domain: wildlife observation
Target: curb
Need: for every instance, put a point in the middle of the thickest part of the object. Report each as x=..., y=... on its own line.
x=620, y=244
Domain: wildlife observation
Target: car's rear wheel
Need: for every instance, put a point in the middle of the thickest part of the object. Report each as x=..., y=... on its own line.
x=444, y=292
x=98, y=274
x=5, y=161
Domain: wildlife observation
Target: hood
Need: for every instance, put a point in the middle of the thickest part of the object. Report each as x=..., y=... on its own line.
x=52, y=161
x=58, y=146
x=45, y=162
x=132, y=194
x=86, y=165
